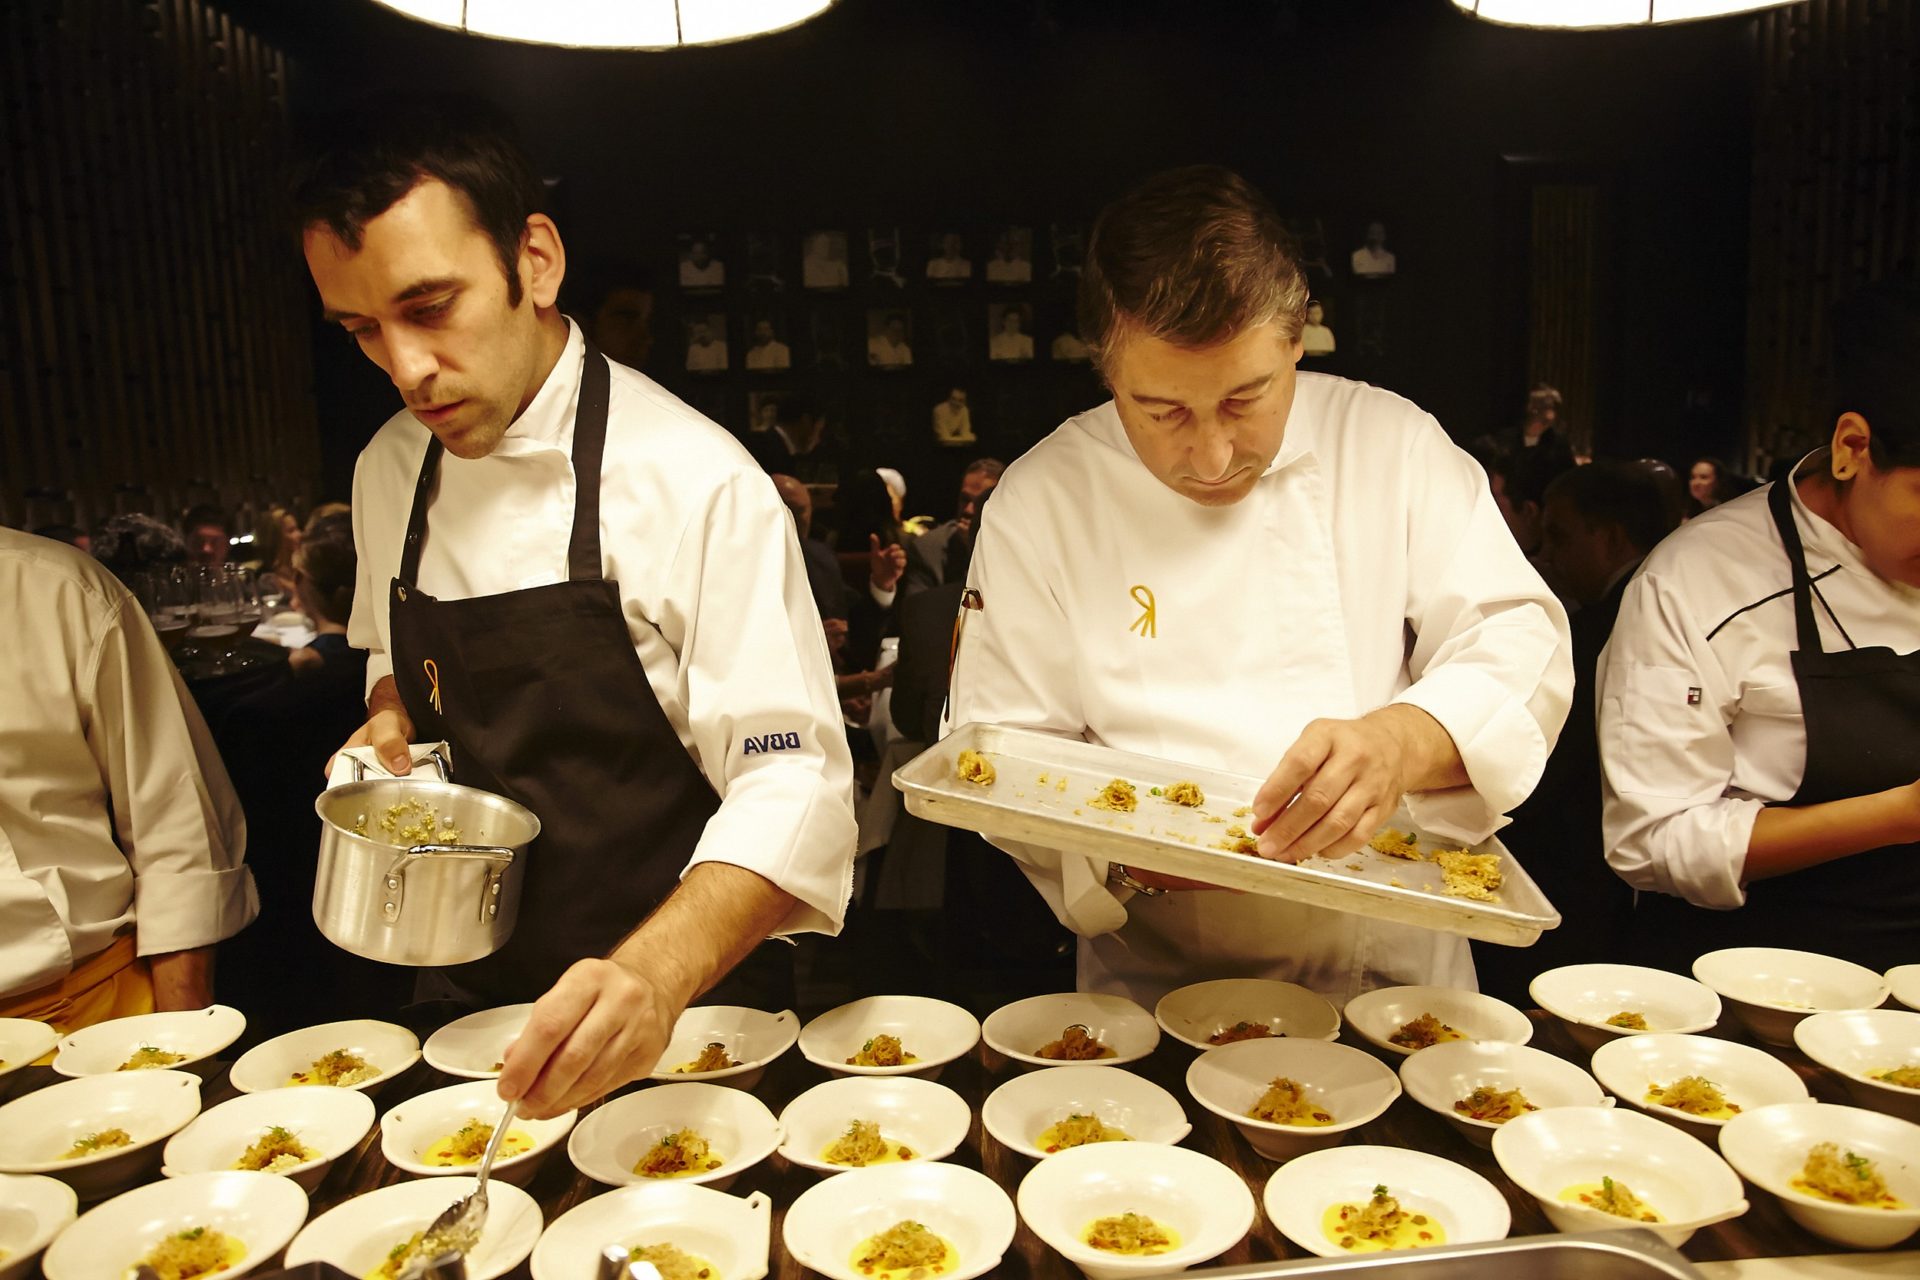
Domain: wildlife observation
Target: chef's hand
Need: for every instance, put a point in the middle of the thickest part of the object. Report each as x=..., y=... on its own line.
x=836, y=629
x=885, y=564
x=1341, y=781
x=603, y=1024
x=388, y=729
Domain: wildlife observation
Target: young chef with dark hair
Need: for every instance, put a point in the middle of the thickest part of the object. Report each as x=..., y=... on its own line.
x=1760, y=698
x=1234, y=565
x=589, y=590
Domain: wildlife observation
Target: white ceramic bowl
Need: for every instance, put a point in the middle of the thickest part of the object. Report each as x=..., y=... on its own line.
x=1193, y=1013
x=471, y=1047
x=33, y=1210
x=1904, y=981
x=832, y=1218
x=753, y=1039
x=933, y=1031
x=1017, y=1031
x=1770, y=989
x=1354, y=1086
x=330, y=1122
x=23, y=1042
x=616, y=1136
x=1468, y=1208
x=357, y=1235
x=259, y=1210
x=929, y=1119
x=197, y=1033
x=152, y=1106
x=1584, y=996
x=1769, y=1146
x=1376, y=1015
x=1438, y=1077
x=272, y=1063
x=416, y=1124
x=1681, y=1178
x=1855, y=1045
x=1205, y=1204
x=1748, y=1077
x=731, y=1233
x=1017, y=1112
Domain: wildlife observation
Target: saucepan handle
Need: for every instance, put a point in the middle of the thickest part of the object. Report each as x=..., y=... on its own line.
x=395, y=881
x=438, y=757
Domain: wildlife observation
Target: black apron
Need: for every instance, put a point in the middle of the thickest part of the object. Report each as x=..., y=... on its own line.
x=1862, y=714
x=544, y=700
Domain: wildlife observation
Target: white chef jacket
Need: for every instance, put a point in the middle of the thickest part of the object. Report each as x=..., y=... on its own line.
x=711, y=582
x=1369, y=565
x=115, y=811
x=1699, y=711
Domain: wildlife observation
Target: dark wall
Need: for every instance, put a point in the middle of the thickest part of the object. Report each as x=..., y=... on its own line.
x=979, y=111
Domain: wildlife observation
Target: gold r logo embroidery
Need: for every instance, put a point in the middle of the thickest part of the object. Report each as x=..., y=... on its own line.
x=433, y=683
x=1147, y=624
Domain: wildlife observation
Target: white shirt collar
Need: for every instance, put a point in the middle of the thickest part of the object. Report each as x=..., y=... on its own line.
x=1825, y=541
x=547, y=423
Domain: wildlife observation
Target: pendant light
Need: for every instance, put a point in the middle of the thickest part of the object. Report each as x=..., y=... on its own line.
x=1588, y=14
x=614, y=24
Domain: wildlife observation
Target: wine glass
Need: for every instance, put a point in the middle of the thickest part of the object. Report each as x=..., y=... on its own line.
x=165, y=595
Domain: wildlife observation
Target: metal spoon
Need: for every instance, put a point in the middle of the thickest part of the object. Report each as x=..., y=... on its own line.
x=457, y=1229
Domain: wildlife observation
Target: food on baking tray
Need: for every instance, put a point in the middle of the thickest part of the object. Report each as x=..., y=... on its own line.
x=1610, y=1195
x=904, y=1250
x=882, y=1051
x=681, y=1154
x=1396, y=844
x=1133, y=1234
x=146, y=1058
x=1695, y=1095
x=197, y=1251
x=1424, y=1032
x=1242, y=1031
x=1628, y=1020
x=1473, y=876
x=1078, y=1131
x=712, y=1058
x=468, y=1143
x=1186, y=793
x=673, y=1263
x=410, y=822
x=1076, y=1044
x=1286, y=1102
x=1117, y=796
x=95, y=1143
x=342, y=1069
x=1495, y=1106
x=1907, y=1077
x=275, y=1150
x=1380, y=1223
x=1237, y=841
x=1845, y=1179
x=974, y=767
x=863, y=1144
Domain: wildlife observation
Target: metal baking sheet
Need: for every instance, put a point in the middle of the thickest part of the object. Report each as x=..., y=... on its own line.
x=1175, y=840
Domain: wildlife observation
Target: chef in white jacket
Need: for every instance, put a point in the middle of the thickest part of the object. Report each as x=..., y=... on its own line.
x=1249, y=569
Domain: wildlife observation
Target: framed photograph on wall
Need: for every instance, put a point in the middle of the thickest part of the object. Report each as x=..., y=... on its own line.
x=700, y=270
x=1316, y=335
x=706, y=334
x=767, y=349
x=886, y=258
x=1010, y=332
x=1373, y=260
x=889, y=338
x=947, y=260
x=1012, y=260
x=823, y=260
x=765, y=271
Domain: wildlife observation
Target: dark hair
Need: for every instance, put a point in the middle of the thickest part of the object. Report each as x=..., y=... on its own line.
x=205, y=514
x=1876, y=333
x=360, y=163
x=326, y=558
x=863, y=506
x=1618, y=493
x=1528, y=472
x=128, y=544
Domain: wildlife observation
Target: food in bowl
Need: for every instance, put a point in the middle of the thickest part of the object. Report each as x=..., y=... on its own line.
x=94, y=1143
x=1242, y=1031
x=1695, y=1095
x=1396, y=844
x=904, y=1250
x=1133, y=1234
x=277, y=1149
x=421, y=1244
x=1286, y=1102
x=1076, y=1044
x=1474, y=876
x=468, y=1143
x=673, y=1262
x=863, y=1144
x=411, y=822
x=1117, y=796
x=1907, y=1077
x=341, y=1068
x=680, y=1154
x=882, y=1051
x=1379, y=1224
x=1494, y=1106
x=149, y=1058
x=1183, y=793
x=197, y=1251
x=1424, y=1032
x=1078, y=1131
x=1845, y=1179
x=1629, y=1020
x=712, y=1058
x=975, y=768
x=1610, y=1195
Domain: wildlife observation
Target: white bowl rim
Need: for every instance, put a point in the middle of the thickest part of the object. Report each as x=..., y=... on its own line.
x=553, y=1132
x=1841, y=1016
x=240, y=1074
x=757, y=1205
x=1777, y=1006
x=932, y=1090
x=1366, y=999
x=602, y=1117
x=1362, y=1060
x=1765, y=1180
x=739, y=1068
x=1632, y=1120
x=1287, y=1171
x=1603, y=1025
x=1130, y=1011
x=824, y=1190
x=343, y=1099
x=170, y=1078
x=266, y=1185
x=51, y=1038
x=437, y=1059
x=1162, y=1016
x=1762, y=1061
x=840, y=1066
x=454, y=1190
x=1027, y=1081
x=1063, y=1166
x=57, y=1196
x=221, y=1017
x=1603, y=1101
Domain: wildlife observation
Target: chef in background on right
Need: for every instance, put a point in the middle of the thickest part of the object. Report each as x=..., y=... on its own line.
x=1759, y=707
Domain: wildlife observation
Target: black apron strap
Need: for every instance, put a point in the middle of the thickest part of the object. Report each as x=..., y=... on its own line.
x=1780, y=502
x=417, y=518
x=589, y=443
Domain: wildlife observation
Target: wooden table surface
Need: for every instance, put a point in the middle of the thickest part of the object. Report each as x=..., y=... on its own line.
x=1765, y=1231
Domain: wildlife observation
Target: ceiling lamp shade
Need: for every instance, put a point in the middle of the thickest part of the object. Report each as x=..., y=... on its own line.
x=614, y=24
x=1589, y=14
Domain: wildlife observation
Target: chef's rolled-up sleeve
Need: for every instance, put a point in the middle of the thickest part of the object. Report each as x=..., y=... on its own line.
x=758, y=685
x=1491, y=658
x=1667, y=754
